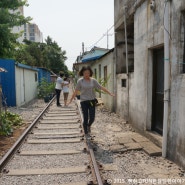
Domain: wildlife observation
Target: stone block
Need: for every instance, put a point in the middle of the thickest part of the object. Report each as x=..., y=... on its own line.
x=151, y=149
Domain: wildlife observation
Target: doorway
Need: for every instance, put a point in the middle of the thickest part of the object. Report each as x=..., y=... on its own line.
x=158, y=90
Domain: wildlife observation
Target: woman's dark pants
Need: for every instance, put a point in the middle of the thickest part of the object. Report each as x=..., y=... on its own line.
x=88, y=110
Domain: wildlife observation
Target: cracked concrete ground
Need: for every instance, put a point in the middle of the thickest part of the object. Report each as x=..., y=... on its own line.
x=137, y=159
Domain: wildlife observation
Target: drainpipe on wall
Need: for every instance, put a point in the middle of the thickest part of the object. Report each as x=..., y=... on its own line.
x=114, y=77
x=126, y=48
x=166, y=77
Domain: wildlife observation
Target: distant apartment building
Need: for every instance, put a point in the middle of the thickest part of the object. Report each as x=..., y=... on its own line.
x=19, y=29
x=32, y=33
x=28, y=31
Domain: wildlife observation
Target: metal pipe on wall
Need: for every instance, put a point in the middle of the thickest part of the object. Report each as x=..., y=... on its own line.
x=166, y=77
x=126, y=48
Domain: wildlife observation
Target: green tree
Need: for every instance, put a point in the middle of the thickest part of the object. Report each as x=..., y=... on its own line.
x=48, y=55
x=10, y=17
x=23, y=56
x=56, y=56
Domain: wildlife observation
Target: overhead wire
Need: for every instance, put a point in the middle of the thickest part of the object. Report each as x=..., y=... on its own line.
x=121, y=17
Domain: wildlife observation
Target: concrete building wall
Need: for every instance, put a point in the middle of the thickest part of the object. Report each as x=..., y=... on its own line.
x=125, y=95
x=176, y=127
x=149, y=36
x=145, y=42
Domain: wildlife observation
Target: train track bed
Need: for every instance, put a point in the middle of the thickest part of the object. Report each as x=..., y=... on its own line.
x=121, y=165
x=53, y=152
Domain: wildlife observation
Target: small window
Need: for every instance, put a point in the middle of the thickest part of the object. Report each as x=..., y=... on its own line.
x=32, y=34
x=99, y=71
x=105, y=72
x=36, y=77
x=95, y=73
x=123, y=83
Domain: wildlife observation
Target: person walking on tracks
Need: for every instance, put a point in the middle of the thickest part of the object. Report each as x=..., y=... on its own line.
x=87, y=85
x=58, y=88
x=65, y=88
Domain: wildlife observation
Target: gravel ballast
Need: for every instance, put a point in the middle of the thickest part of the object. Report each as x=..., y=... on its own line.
x=133, y=167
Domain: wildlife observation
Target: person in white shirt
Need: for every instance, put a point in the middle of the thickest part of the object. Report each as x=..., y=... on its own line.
x=58, y=88
x=65, y=86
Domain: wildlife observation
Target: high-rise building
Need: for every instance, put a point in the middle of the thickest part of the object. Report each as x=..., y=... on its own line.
x=32, y=33
x=28, y=31
x=19, y=29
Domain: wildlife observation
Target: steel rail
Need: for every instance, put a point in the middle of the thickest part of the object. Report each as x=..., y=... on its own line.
x=16, y=145
x=92, y=156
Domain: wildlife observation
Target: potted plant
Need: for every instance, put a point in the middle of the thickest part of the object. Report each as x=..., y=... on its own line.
x=46, y=90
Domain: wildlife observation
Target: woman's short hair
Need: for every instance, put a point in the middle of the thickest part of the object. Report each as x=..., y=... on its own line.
x=84, y=68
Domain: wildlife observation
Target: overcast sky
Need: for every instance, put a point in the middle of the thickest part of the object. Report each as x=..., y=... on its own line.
x=71, y=22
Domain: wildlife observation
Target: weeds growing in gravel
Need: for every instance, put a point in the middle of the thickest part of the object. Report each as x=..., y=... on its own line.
x=8, y=121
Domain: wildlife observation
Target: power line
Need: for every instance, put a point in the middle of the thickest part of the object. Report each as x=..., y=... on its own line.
x=105, y=34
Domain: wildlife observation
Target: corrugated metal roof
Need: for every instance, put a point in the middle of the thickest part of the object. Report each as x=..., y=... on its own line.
x=93, y=59
x=26, y=66
x=94, y=54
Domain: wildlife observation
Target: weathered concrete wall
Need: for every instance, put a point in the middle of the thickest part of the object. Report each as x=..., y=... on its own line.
x=176, y=124
x=125, y=95
x=121, y=103
x=149, y=34
x=118, y=12
x=137, y=115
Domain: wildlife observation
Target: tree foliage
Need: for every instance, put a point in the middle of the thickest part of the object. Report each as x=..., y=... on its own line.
x=10, y=17
x=48, y=55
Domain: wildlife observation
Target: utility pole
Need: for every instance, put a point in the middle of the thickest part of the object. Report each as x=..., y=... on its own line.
x=82, y=48
x=107, y=35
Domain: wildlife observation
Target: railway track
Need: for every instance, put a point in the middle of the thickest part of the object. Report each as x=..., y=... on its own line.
x=53, y=150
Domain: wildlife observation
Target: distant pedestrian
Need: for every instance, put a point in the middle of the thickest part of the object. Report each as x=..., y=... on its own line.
x=65, y=88
x=87, y=85
x=58, y=88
